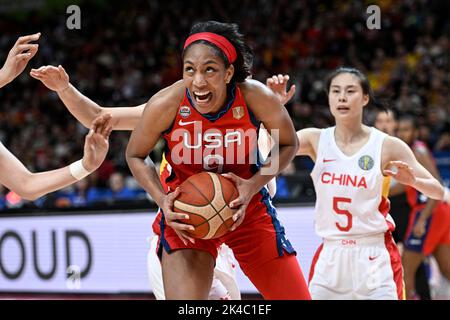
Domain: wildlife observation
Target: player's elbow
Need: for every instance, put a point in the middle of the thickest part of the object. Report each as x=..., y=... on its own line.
x=131, y=156
x=28, y=193
x=293, y=146
x=296, y=144
x=31, y=196
x=88, y=118
x=29, y=189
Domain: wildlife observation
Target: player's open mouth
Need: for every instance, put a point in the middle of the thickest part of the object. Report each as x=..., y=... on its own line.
x=202, y=97
x=342, y=108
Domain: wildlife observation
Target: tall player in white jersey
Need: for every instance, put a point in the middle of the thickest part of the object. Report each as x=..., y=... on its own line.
x=358, y=258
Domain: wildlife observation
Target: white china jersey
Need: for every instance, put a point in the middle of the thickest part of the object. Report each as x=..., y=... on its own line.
x=351, y=190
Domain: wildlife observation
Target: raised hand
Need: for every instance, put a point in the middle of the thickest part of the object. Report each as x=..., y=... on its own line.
x=18, y=58
x=96, y=144
x=278, y=85
x=54, y=78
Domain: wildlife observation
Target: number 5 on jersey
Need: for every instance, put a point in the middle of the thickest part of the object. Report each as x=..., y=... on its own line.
x=336, y=201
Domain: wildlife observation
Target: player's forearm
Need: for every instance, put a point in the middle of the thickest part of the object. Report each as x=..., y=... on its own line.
x=35, y=185
x=81, y=107
x=147, y=178
x=3, y=80
x=430, y=187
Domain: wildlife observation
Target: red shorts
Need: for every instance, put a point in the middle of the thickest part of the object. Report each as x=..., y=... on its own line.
x=437, y=230
x=259, y=245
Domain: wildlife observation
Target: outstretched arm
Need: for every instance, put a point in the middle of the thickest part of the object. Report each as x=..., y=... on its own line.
x=18, y=58
x=34, y=185
x=81, y=107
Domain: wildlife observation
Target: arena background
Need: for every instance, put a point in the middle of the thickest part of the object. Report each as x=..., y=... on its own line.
x=123, y=53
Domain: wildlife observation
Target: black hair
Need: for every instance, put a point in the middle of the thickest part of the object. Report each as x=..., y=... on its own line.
x=410, y=118
x=386, y=110
x=363, y=81
x=244, y=60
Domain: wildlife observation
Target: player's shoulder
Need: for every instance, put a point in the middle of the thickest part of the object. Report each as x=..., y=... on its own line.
x=259, y=98
x=164, y=105
x=392, y=142
x=311, y=135
x=169, y=97
x=394, y=148
x=251, y=87
x=313, y=132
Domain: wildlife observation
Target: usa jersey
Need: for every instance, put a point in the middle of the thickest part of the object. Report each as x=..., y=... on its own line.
x=223, y=142
x=351, y=190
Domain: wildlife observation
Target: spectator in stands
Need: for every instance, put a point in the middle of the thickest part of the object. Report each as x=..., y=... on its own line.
x=117, y=189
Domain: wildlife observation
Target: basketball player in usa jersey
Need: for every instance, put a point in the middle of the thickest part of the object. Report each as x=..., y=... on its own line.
x=217, y=95
x=203, y=119
x=224, y=285
x=358, y=258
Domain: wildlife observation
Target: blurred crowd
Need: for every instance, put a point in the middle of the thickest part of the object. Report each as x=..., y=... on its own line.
x=126, y=51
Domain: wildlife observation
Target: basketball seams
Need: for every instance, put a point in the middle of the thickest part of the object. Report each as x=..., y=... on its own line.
x=217, y=184
x=226, y=203
x=201, y=193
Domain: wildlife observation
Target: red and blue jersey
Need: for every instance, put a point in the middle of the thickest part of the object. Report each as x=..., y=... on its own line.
x=437, y=225
x=222, y=142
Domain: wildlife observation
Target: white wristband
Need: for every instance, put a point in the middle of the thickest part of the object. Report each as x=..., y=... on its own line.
x=446, y=195
x=77, y=170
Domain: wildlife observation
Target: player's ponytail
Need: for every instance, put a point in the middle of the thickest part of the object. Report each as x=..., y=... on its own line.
x=380, y=104
x=244, y=55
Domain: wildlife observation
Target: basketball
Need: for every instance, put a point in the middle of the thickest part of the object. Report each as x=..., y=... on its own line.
x=205, y=198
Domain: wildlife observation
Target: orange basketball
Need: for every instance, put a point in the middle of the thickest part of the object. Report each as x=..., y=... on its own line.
x=205, y=198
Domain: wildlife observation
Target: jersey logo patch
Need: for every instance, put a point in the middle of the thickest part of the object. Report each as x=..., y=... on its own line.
x=185, y=111
x=238, y=112
x=365, y=162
